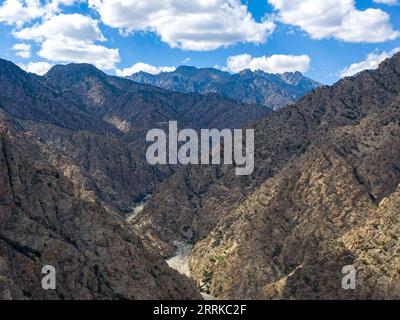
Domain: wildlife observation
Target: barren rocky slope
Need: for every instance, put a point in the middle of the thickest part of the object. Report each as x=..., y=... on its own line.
x=206, y=194
x=113, y=166
x=298, y=220
x=323, y=166
x=373, y=247
x=136, y=108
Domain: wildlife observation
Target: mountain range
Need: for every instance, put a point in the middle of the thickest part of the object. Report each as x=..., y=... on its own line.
x=73, y=145
x=258, y=87
x=324, y=194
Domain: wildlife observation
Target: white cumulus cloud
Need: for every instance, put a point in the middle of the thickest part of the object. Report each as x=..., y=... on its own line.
x=63, y=26
x=199, y=25
x=23, y=50
x=273, y=64
x=140, y=66
x=80, y=52
x=371, y=62
x=338, y=19
x=19, y=12
x=71, y=38
x=62, y=37
x=40, y=68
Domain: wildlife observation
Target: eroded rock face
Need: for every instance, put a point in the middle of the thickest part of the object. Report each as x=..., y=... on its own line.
x=323, y=166
x=97, y=255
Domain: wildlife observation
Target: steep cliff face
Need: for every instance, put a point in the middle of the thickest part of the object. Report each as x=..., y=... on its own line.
x=323, y=166
x=95, y=253
x=258, y=87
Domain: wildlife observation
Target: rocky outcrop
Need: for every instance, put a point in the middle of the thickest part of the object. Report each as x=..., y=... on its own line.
x=372, y=248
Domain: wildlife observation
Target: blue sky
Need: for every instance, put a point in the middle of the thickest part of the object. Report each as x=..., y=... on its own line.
x=324, y=39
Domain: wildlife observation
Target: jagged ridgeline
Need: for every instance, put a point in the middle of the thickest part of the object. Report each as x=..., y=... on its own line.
x=324, y=193
x=271, y=90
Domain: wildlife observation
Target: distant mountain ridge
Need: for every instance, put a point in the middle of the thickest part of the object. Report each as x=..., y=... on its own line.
x=258, y=87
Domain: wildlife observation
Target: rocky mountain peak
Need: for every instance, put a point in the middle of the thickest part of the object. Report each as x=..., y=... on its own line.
x=11, y=72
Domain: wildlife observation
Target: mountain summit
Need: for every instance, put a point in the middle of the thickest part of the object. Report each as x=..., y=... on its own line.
x=271, y=90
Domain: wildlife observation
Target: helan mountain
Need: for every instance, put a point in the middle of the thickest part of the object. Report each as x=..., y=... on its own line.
x=324, y=195
x=258, y=87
